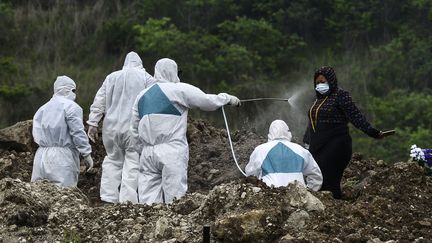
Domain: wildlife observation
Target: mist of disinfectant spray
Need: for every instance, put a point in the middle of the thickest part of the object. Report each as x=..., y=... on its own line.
x=293, y=112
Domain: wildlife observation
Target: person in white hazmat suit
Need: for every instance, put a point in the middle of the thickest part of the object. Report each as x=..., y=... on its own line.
x=159, y=123
x=58, y=129
x=280, y=162
x=114, y=100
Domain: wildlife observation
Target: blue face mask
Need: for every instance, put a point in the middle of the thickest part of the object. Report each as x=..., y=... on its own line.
x=322, y=88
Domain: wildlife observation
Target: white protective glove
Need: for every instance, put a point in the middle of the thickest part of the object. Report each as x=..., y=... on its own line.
x=88, y=161
x=232, y=99
x=92, y=133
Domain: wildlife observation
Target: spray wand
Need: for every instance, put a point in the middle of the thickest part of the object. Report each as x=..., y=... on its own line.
x=261, y=99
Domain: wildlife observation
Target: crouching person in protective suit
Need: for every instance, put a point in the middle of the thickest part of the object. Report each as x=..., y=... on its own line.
x=280, y=162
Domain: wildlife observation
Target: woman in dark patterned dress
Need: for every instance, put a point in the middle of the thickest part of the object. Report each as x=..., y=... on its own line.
x=327, y=134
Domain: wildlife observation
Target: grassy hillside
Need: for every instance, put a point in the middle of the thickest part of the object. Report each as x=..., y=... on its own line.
x=381, y=50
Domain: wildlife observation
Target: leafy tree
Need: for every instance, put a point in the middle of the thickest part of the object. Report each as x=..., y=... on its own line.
x=409, y=113
x=256, y=36
x=12, y=96
x=204, y=57
x=404, y=63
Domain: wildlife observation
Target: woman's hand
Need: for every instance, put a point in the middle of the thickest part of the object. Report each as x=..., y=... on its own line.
x=382, y=134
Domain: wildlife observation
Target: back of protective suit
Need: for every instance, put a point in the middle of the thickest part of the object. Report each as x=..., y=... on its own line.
x=114, y=100
x=54, y=123
x=117, y=94
x=162, y=111
x=58, y=129
x=159, y=123
x=280, y=162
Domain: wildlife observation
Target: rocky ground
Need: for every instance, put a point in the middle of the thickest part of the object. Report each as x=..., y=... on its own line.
x=383, y=202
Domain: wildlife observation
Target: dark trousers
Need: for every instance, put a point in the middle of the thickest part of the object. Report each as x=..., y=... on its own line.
x=332, y=159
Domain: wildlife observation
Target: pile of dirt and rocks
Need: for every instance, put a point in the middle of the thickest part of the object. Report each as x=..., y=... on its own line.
x=211, y=162
x=383, y=202
x=236, y=211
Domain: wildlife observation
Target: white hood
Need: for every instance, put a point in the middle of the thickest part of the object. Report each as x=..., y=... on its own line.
x=132, y=61
x=166, y=71
x=279, y=130
x=63, y=86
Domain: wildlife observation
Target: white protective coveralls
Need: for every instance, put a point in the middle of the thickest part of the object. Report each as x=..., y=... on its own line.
x=114, y=100
x=279, y=161
x=159, y=123
x=58, y=129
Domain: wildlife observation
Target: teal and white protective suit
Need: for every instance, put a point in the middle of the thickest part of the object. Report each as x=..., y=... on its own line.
x=159, y=123
x=279, y=161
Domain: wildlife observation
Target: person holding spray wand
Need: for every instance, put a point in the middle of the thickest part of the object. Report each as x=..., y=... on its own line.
x=158, y=128
x=327, y=135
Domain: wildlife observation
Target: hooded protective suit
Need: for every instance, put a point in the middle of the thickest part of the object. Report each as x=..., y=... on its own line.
x=159, y=123
x=114, y=100
x=59, y=131
x=279, y=161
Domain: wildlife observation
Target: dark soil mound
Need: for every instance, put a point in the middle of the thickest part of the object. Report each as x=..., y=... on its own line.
x=386, y=202
x=382, y=202
x=210, y=159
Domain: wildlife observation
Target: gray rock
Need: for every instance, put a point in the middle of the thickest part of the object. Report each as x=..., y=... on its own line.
x=161, y=228
x=297, y=220
x=240, y=226
x=300, y=197
x=258, y=225
x=170, y=241
x=13, y=227
x=287, y=239
x=127, y=221
x=134, y=238
x=17, y=137
x=402, y=165
x=355, y=237
x=5, y=163
x=313, y=203
x=214, y=171
x=377, y=240
x=140, y=220
x=380, y=162
x=137, y=227
x=256, y=189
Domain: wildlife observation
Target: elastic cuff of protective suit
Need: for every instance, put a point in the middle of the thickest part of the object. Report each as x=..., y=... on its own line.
x=92, y=124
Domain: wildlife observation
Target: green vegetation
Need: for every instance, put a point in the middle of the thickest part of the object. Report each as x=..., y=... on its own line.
x=381, y=50
x=71, y=236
